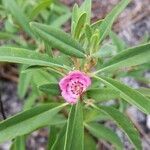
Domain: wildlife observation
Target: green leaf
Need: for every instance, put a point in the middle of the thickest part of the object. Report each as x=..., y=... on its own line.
x=58, y=39
x=10, y=26
x=117, y=41
x=64, y=59
x=91, y=115
x=80, y=17
x=88, y=32
x=94, y=43
x=75, y=13
x=6, y=35
x=105, y=26
x=107, y=134
x=132, y=96
x=75, y=131
x=24, y=56
x=44, y=68
x=32, y=97
x=80, y=25
x=29, y=121
x=18, y=143
x=107, y=50
x=30, y=101
x=59, y=142
x=96, y=24
x=103, y=94
x=144, y=91
x=52, y=89
x=23, y=84
x=53, y=131
x=130, y=57
x=74, y=19
x=125, y=124
x=19, y=15
x=57, y=23
x=89, y=142
x=40, y=6
x=86, y=7
x=41, y=77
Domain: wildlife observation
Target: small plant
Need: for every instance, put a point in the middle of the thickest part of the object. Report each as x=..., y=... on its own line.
x=70, y=88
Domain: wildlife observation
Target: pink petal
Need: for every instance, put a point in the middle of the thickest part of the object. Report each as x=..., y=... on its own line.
x=68, y=98
x=63, y=82
x=81, y=76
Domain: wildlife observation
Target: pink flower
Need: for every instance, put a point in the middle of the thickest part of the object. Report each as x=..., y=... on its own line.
x=73, y=85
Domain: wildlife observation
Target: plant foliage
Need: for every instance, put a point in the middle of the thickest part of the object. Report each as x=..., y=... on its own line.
x=45, y=54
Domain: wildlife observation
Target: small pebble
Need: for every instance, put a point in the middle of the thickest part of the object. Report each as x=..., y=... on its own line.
x=148, y=121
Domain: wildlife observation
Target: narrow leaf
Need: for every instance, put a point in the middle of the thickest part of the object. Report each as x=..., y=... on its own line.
x=103, y=94
x=127, y=58
x=88, y=32
x=107, y=50
x=53, y=131
x=29, y=121
x=89, y=142
x=23, y=84
x=80, y=25
x=6, y=35
x=105, y=26
x=30, y=101
x=19, y=15
x=117, y=41
x=125, y=124
x=132, y=96
x=144, y=91
x=91, y=115
x=58, y=39
x=75, y=131
x=86, y=7
x=18, y=143
x=75, y=14
x=61, y=20
x=96, y=24
x=52, y=89
x=40, y=6
x=24, y=56
x=102, y=132
x=59, y=142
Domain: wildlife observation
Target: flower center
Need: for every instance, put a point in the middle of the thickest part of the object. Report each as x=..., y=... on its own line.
x=77, y=87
